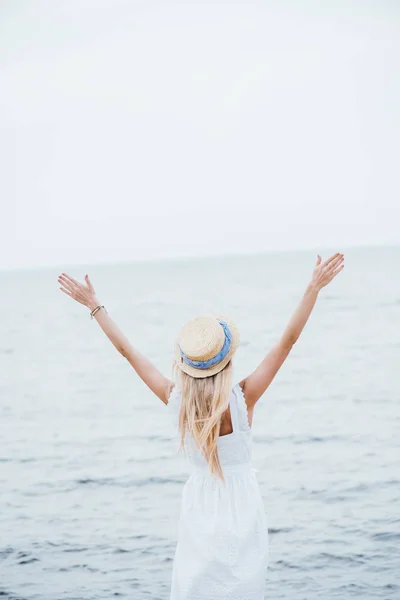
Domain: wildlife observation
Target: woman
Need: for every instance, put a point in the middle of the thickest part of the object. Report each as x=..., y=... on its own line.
x=222, y=548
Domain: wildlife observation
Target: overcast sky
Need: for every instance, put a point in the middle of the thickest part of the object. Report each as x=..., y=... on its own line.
x=132, y=129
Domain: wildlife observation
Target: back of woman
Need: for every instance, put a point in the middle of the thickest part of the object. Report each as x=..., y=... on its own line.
x=234, y=448
x=222, y=550
x=222, y=546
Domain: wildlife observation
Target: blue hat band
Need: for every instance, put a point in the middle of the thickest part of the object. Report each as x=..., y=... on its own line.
x=206, y=364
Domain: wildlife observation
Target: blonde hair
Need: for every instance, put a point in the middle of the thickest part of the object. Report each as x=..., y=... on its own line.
x=204, y=400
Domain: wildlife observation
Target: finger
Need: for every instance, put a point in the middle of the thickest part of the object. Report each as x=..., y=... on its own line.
x=65, y=291
x=334, y=264
x=88, y=282
x=336, y=272
x=338, y=269
x=67, y=284
x=73, y=295
x=330, y=259
x=70, y=278
x=318, y=260
x=68, y=291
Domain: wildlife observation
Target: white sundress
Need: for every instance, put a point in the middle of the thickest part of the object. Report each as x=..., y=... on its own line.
x=222, y=549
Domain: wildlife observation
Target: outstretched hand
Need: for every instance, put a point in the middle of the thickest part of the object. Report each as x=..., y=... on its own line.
x=325, y=271
x=81, y=292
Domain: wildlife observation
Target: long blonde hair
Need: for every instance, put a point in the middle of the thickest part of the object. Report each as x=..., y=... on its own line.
x=204, y=400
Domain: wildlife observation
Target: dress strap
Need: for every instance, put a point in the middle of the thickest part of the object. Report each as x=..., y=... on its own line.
x=233, y=405
x=174, y=404
x=243, y=413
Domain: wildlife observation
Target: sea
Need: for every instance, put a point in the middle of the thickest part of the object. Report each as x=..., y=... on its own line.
x=90, y=476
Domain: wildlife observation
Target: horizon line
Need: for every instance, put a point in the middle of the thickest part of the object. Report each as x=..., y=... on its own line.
x=182, y=258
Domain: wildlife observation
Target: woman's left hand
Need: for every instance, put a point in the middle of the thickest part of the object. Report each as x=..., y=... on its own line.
x=81, y=292
x=325, y=271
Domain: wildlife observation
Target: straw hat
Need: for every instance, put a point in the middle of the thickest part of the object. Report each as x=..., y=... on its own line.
x=205, y=345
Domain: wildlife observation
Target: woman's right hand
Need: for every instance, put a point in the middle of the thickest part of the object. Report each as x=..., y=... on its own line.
x=325, y=271
x=81, y=292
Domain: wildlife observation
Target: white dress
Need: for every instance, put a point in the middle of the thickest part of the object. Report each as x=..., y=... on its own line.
x=222, y=549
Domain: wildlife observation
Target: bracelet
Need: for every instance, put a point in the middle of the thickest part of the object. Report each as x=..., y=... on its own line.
x=94, y=311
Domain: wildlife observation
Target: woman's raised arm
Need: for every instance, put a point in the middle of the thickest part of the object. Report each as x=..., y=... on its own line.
x=255, y=384
x=84, y=293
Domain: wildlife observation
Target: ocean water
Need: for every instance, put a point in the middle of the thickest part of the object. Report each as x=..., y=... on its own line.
x=89, y=475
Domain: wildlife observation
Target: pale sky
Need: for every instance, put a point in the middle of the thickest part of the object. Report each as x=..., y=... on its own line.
x=135, y=129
